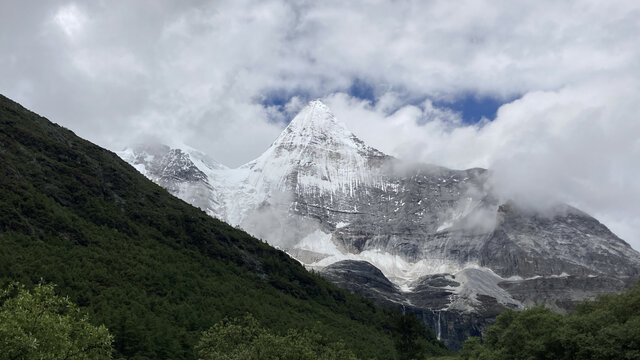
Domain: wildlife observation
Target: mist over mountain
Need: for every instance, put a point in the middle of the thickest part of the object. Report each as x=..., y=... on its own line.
x=439, y=241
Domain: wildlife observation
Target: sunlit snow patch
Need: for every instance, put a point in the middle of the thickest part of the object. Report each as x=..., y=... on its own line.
x=319, y=242
x=479, y=281
x=394, y=267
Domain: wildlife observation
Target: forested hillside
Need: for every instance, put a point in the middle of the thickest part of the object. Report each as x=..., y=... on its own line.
x=153, y=269
x=608, y=328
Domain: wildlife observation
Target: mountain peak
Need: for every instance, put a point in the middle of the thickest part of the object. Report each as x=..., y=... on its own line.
x=317, y=130
x=318, y=103
x=314, y=119
x=316, y=151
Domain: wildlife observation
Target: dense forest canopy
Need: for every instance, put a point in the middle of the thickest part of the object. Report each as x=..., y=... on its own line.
x=608, y=328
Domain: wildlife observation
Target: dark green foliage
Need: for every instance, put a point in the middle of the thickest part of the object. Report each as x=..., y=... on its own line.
x=608, y=328
x=245, y=339
x=153, y=269
x=412, y=340
x=37, y=324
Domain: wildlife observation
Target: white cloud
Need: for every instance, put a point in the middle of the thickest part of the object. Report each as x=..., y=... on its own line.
x=70, y=19
x=195, y=73
x=579, y=145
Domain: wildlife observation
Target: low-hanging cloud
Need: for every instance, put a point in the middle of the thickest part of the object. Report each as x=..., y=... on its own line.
x=579, y=145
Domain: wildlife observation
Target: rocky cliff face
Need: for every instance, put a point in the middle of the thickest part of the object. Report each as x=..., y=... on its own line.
x=431, y=239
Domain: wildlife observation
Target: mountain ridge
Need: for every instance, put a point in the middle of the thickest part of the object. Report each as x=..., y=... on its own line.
x=414, y=223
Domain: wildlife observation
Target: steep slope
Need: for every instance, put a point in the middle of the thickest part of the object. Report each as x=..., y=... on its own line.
x=316, y=154
x=454, y=254
x=155, y=270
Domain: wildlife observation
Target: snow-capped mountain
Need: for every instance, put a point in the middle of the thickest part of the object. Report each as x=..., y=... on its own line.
x=432, y=239
x=183, y=172
x=316, y=154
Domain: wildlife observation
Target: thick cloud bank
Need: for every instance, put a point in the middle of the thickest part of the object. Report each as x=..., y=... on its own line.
x=579, y=145
x=226, y=76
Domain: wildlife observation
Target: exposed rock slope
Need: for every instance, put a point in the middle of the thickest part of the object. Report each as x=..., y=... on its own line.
x=436, y=240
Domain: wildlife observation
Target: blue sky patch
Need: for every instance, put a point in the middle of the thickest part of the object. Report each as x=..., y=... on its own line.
x=474, y=108
x=362, y=90
x=276, y=98
x=471, y=107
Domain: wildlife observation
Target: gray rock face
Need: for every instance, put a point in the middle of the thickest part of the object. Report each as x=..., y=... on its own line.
x=433, y=293
x=562, y=293
x=175, y=170
x=564, y=241
x=434, y=240
x=403, y=214
x=364, y=279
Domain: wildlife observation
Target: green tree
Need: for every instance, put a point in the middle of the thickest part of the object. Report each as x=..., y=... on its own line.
x=528, y=335
x=413, y=340
x=409, y=336
x=244, y=339
x=37, y=324
x=607, y=328
x=472, y=348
